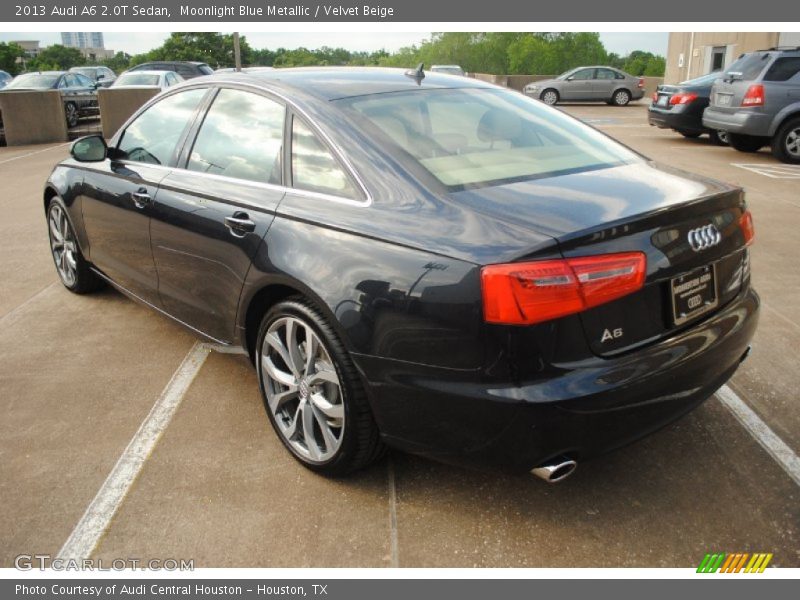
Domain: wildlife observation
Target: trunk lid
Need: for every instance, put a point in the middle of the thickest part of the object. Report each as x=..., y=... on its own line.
x=643, y=208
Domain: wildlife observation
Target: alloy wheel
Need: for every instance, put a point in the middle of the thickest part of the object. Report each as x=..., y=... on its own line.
x=550, y=97
x=63, y=246
x=621, y=98
x=72, y=114
x=792, y=143
x=304, y=394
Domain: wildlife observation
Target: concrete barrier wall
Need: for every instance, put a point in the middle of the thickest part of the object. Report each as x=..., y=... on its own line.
x=118, y=104
x=33, y=117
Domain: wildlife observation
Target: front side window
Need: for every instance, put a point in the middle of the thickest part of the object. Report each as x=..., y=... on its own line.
x=475, y=137
x=314, y=167
x=583, y=75
x=241, y=137
x=154, y=135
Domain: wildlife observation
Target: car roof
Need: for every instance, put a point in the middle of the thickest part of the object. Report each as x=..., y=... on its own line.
x=148, y=72
x=331, y=83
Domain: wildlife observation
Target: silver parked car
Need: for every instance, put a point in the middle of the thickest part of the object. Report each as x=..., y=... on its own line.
x=757, y=100
x=448, y=70
x=588, y=84
x=147, y=79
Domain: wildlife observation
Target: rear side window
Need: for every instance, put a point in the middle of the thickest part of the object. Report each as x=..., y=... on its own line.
x=605, y=74
x=185, y=71
x=749, y=66
x=154, y=135
x=783, y=69
x=242, y=137
x=314, y=168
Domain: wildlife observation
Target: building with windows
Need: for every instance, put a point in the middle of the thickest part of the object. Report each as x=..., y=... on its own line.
x=692, y=54
x=77, y=39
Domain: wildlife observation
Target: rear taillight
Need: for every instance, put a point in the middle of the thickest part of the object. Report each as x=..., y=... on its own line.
x=683, y=98
x=532, y=292
x=641, y=82
x=754, y=96
x=746, y=223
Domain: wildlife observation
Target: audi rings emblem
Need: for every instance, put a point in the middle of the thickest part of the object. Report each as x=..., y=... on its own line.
x=704, y=237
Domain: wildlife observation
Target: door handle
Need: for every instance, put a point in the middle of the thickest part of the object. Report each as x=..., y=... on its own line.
x=141, y=198
x=239, y=224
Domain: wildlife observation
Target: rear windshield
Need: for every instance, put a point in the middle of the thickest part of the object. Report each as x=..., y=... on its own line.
x=91, y=73
x=474, y=137
x=704, y=80
x=749, y=66
x=205, y=69
x=37, y=81
x=136, y=79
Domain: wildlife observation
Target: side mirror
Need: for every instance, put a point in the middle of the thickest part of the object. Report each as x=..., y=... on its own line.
x=570, y=78
x=91, y=148
x=101, y=76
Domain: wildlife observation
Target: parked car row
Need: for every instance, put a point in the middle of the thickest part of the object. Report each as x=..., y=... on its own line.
x=78, y=86
x=754, y=103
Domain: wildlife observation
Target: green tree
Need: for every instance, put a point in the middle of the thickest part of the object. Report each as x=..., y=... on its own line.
x=9, y=53
x=56, y=58
x=117, y=63
x=216, y=49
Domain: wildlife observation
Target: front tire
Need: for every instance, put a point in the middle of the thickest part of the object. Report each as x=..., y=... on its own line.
x=550, y=97
x=690, y=134
x=786, y=142
x=72, y=268
x=746, y=143
x=621, y=98
x=312, y=393
x=71, y=113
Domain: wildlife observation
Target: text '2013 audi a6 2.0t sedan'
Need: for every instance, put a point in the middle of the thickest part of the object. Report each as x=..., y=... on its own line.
x=425, y=262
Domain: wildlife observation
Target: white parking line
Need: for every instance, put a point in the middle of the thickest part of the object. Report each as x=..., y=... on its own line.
x=774, y=445
x=94, y=522
x=8, y=160
x=775, y=171
x=394, y=552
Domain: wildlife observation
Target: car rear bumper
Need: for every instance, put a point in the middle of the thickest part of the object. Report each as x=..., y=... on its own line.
x=674, y=119
x=745, y=122
x=593, y=407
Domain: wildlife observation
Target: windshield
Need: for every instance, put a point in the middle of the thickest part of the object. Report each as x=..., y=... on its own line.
x=136, y=79
x=37, y=81
x=704, y=80
x=749, y=66
x=91, y=73
x=476, y=137
x=566, y=74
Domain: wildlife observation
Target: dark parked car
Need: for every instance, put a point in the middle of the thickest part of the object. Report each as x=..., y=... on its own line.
x=4, y=79
x=588, y=84
x=78, y=92
x=680, y=107
x=757, y=101
x=186, y=69
x=102, y=76
x=433, y=264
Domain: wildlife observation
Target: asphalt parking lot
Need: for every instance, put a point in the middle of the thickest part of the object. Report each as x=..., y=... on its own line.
x=79, y=374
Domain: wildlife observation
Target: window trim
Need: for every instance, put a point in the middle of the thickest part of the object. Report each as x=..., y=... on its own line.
x=211, y=91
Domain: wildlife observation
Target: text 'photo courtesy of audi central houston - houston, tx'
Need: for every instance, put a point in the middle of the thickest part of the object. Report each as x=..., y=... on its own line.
x=417, y=260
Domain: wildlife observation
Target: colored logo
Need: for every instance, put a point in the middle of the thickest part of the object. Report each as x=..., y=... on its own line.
x=740, y=562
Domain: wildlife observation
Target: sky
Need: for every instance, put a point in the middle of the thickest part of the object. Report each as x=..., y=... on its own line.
x=135, y=43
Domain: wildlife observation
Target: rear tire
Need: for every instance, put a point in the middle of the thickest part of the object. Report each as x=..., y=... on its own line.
x=312, y=393
x=550, y=97
x=720, y=138
x=786, y=142
x=746, y=143
x=73, y=270
x=621, y=98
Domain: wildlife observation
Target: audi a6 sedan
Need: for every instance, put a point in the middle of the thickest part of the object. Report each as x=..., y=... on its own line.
x=418, y=261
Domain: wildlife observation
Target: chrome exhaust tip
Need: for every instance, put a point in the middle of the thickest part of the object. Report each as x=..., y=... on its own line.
x=555, y=471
